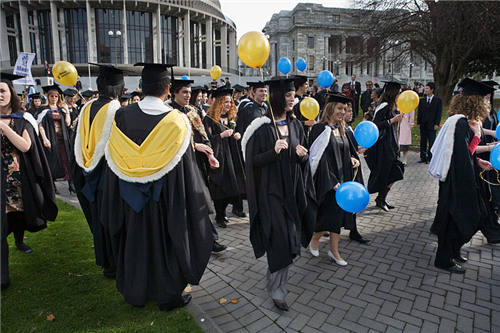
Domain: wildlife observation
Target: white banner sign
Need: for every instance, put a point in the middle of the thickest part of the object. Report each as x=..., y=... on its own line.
x=23, y=67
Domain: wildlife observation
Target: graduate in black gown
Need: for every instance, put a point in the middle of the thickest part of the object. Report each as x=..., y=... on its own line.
x=27, y=192
x=254, y=108
x=383, y=157
x=334, y=160
x=227, y=182
x=461, y=205
x=280, y=191
x=153, y=202
x=92, y=134
x=54, y=121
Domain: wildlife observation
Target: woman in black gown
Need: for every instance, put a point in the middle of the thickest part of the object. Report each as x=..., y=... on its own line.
x=280, y=197
x=333, y=162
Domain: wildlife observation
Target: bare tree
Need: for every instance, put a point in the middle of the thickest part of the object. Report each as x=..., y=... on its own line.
x=457, y=38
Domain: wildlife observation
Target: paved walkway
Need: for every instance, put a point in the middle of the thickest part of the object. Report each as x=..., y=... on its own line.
x=390, y=285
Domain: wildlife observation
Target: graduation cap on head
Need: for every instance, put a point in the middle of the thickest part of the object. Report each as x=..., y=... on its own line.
x=281, y=83
x=87, y=93
x=55, y=87
x=391, y=86
x=198, y=88
x=255, y=85
x=179, y=83
x=222, y=92
x=473, y=87
x=238, y=87
x=491, y=83
x=109, y=74
x=152, y=72
x=299, y=80
x=135, y=93
x=35, y=96
x=70, y=92
x=125, y=97
x=335, y=97
x=8, y=78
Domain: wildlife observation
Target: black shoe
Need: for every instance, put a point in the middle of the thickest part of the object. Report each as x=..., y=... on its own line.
x=459, y=260
x=453, y=269
x=23, y=247
x=422, y=160
x=280, y=304
x=389, y=206
x=382, y=205
x=226, y=219
x=359, y=239
x=56, y=191
x=427, y=162
x=218, y=247
x=71, y=188
x=239, y=213
x=221, y=223
x=182, y=302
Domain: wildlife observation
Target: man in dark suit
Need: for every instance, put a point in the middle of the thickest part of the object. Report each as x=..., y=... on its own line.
x=430, y=109
x=355, y=87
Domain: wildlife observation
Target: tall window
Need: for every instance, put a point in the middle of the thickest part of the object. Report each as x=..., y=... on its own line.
x=310, y=42
x=354, y=45
x=140, y=37
x=109, y=48
x=76, y=35
x=44, y=31
x=310, y=62
x=204, y=47
x=218, y=58
x=195, y=43
x=11, y=39
x=169, y=39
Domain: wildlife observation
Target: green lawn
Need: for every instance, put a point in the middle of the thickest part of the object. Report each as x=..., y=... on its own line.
x=60, y=278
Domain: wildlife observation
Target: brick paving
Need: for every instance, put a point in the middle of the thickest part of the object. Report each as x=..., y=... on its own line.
x=390, y=284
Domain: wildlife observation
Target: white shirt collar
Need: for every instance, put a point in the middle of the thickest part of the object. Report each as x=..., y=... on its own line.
x=153, y=106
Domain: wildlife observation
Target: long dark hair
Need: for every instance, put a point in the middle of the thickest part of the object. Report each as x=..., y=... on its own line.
x=15, y=101
x=389, y=96
x=277, y=104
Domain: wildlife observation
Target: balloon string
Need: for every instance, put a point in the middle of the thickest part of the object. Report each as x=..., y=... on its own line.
x=270, y=108
x=355, y=174
x=486, y=181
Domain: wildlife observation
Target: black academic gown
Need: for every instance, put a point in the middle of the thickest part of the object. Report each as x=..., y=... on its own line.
x=383, y=157
x=334, y=167
x=459, y=202
x=280, y=195
x=53, y=154
x=491, y=123
x=228, y=180
x=247, y=114
x=167, y=243
x=89, y=186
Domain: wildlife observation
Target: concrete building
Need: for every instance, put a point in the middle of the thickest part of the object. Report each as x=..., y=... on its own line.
x=194, y=35
x=330, y=38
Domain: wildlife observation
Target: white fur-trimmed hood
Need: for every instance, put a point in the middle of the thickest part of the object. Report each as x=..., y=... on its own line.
x=254, y=125
x=318, y=148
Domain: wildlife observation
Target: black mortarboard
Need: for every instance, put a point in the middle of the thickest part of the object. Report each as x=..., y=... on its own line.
x=255, y=85
x=87, y=93
x=55, y=86
x=473, y=87
x=125, y=97
x=491, y=83
x=281, y=82
x=152, y=73
x=221, y=92
x=35, y=96
x=391, y=85
x=135, y=93
x=8, y=78
x=335, y=97
x=238, y=87
x=299, y=80
x=198, y=88
x=179, y=83
x=109, y=74
x=70, y=92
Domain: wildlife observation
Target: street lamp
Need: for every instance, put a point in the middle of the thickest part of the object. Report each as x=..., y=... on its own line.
x=337, y=65
x=113, y=35
x=395, y=43
x=324, y=60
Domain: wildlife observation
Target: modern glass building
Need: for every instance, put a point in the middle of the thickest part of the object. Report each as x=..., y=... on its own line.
x=192, y=34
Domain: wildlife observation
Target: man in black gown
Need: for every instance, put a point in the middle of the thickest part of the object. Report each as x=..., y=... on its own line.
x=153, y=201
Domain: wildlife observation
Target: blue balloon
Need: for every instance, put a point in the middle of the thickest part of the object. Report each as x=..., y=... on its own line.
x=284, y=65
x=301, y=64
x=366, y=134
x=495, y=156
x=498, y=130
x=352, y=197
x=325, y=79
x=184, y=77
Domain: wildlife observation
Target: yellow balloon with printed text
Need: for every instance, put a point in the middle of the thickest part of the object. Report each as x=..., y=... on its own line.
x=407, y=101
x=253, y=49
x=65, y=73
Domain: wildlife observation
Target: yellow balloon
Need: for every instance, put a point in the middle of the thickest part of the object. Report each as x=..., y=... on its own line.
x=309, y=107
x=65, y=73
x=407, y=101
x=253, y=49
x=215, y=72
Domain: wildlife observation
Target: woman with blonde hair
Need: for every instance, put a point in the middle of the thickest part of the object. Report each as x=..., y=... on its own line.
x=226, y=183
x=333, y=160
x=54, y=121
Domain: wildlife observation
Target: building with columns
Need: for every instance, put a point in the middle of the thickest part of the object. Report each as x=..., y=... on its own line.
x=330, y=38
x=194, y=35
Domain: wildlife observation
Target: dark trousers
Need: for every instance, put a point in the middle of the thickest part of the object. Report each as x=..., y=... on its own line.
x=449, y=244
x=238, y=204
x=426, y=136
x=220, y=207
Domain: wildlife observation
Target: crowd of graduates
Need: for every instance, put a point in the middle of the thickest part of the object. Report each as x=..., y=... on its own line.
x=150, y=167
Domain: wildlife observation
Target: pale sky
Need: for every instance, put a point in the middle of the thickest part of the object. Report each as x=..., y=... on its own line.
x=252, y=15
